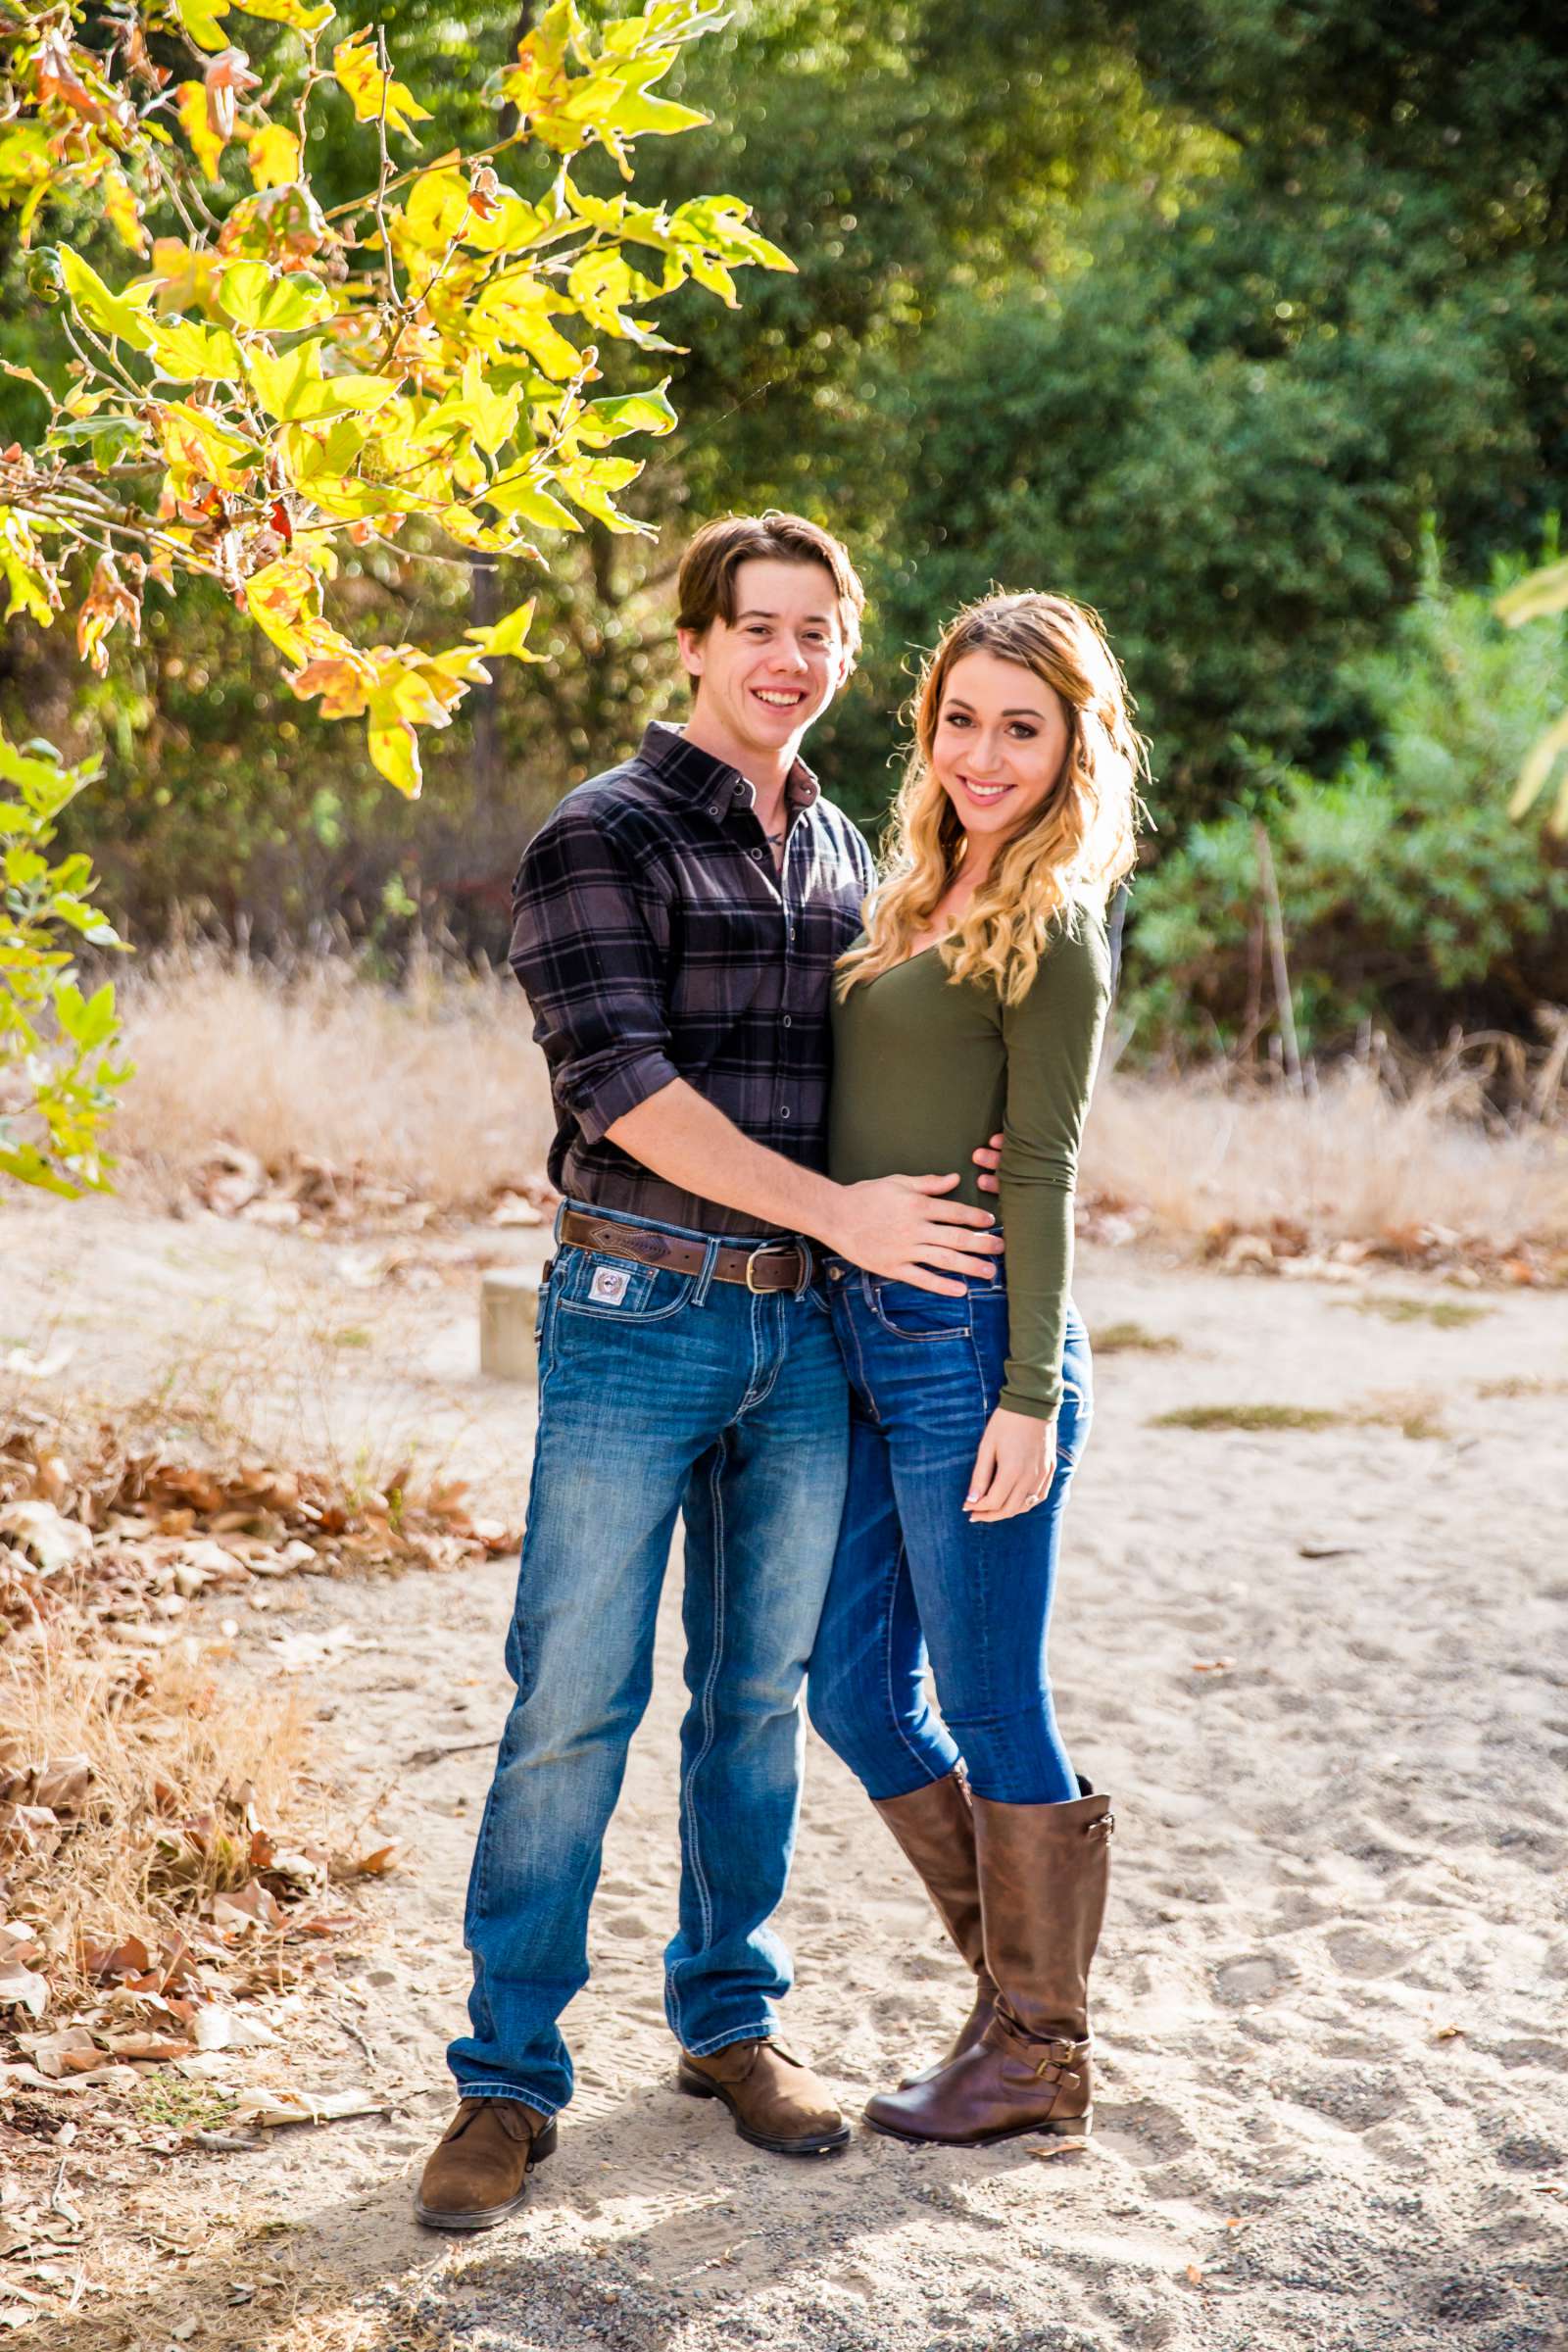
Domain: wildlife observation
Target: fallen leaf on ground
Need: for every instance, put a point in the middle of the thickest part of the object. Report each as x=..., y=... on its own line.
x=70, y=2051
x=367, y=1866
x=54, y=1540
x=37, y=1367
x=1213, y=1665
x=1061, y=2147
x=272, y=2108
x=1449, y=2034
x=218, y=2028
x=21, y=1989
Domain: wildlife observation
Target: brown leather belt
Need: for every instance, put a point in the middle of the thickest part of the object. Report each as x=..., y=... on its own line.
x=759, y=1265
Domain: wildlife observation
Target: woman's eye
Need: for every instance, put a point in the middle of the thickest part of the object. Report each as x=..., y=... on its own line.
x=954, y=718
x=1026, y=734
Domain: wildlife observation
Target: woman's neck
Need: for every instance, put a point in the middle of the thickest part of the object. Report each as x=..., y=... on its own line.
x=970, y=874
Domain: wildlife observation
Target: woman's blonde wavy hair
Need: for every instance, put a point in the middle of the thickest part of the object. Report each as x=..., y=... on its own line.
x=1071, y=852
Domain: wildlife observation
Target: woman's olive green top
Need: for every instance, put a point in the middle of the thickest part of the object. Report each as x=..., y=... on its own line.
x=924, y=1069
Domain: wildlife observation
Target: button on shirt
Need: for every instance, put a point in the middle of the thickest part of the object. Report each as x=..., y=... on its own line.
x=655, y=940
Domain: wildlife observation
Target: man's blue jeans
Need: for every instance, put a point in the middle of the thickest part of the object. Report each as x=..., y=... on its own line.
x=915, y=1580
x=659, y=1393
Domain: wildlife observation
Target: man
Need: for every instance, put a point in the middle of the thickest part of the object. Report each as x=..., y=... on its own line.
x=677, y=925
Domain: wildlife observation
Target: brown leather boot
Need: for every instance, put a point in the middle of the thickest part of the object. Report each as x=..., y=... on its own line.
x=478, y=2173
x=935, y=1826
x=1043, y=1872
x=776, y=2100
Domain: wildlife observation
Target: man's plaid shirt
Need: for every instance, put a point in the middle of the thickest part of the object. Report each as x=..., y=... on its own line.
x=655, y=940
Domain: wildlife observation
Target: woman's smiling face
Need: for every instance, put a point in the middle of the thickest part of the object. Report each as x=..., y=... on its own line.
x=1001, y=739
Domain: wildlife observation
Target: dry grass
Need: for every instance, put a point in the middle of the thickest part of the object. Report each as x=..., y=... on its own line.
x=165, y=1741
x=440, y=1087
x=1413, y=1416
x=1133, y=1339
x=1446, y=1314
x=1349, y=1163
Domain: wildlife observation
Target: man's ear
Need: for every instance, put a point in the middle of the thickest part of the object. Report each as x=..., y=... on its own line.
x=692, y=644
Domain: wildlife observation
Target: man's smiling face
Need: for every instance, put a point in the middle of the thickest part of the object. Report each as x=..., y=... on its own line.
x=763, y=677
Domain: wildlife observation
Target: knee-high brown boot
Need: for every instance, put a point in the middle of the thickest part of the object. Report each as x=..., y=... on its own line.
x=1043, y=1872
x=935, y=1826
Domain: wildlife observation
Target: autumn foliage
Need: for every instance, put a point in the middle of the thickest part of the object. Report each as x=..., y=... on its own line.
x=262, y=381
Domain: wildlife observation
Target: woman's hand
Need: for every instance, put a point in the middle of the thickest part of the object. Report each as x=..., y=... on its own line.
x=1013, y=1468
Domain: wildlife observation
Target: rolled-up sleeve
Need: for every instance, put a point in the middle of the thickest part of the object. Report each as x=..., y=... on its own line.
x=590, y=944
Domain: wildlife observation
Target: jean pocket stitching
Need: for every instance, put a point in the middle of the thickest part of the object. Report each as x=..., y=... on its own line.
x=949, y=1331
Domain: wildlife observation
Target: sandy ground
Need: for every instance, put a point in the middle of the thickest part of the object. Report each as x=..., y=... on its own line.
x=1333, y=2106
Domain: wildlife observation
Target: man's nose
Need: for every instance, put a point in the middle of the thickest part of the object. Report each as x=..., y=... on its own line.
x=792, y=655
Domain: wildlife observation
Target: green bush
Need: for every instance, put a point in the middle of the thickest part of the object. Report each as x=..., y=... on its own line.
x=1409, y=894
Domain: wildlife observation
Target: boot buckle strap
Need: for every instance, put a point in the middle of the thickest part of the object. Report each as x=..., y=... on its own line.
x=1058, y=2056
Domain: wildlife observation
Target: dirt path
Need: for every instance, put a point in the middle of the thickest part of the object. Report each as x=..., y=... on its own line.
x=1329, y=2006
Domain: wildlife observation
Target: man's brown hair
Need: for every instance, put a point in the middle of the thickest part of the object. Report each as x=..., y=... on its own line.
x=706, y=588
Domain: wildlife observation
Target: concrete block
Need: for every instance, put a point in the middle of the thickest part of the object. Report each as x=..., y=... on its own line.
x=508, y=1308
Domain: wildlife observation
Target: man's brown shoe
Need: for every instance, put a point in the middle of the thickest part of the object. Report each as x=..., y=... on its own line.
x=480, y=2172
x=777, y=2103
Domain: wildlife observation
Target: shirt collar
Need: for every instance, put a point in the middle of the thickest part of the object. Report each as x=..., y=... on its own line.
x=667, y=753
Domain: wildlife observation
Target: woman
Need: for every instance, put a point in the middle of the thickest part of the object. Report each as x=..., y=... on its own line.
x=975, y=999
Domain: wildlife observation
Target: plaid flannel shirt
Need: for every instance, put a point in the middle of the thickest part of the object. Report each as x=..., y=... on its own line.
x=655, y=940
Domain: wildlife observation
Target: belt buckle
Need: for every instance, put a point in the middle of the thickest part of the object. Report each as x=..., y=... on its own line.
x=763, y=1249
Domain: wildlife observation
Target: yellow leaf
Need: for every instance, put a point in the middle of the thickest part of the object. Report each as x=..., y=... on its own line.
x=516, y=310
x=119, y=314
x=462, y=525
x=508, y=634
x=200, y=18
x=293, y=387
x=301, y=15
x=274, y=157
x=435, y=209
x=206, y=144
x=194, y=439
x=123, y=211
x=255, y=295
x=188, y=351
x=278, y=597
x=1544, y=755
x=395, y=749
x=1530, y=598
x=521, y=493
x=341, y=676
x=369, y=89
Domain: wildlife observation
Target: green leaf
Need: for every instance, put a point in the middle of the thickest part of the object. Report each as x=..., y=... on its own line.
x=600, y=421
x=111, y=314
x=28, y=1165
x=264, y=299
x=108, y=438
x=519, y=495
x=200, y=18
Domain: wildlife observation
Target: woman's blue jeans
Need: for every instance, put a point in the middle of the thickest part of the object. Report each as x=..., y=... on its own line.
x=915, y=1580
x=659, y=1393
